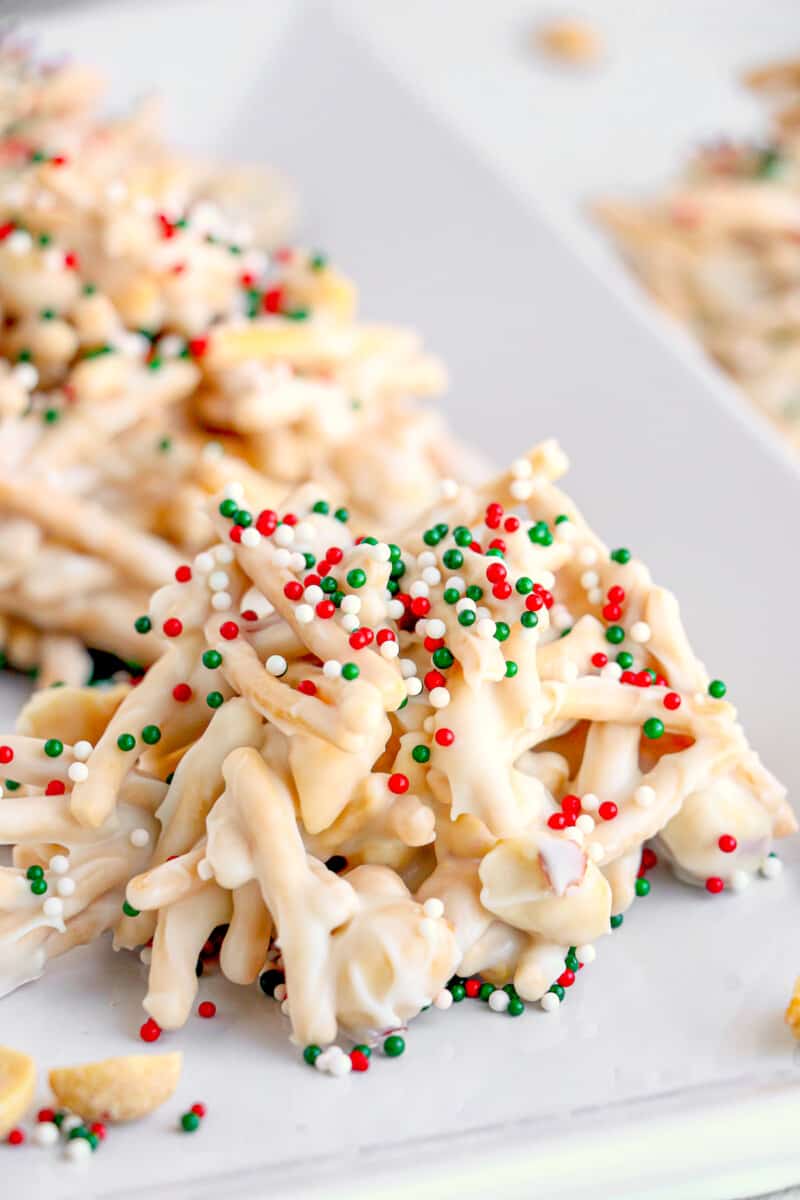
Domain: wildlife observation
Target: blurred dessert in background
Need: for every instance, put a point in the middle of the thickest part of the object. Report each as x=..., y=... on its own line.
x=151, y=349
x=720, y=250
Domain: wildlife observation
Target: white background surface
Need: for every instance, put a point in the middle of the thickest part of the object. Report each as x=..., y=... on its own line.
x=419, y=144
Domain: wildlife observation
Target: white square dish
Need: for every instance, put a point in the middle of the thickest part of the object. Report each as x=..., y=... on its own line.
x=668, y=1072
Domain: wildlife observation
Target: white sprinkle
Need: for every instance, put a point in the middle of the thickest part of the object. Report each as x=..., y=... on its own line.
x=466, y=603
x=433, y=907
x=414, y=687
x=435, y=628
x=26, y=375
x=380, y=553
x=59, y=864
x=431, y=576
x=595, y=596
x=276, y=664
x=223, y=554
x=499, y=1000
x=78, y=772
x=640, y=632
x=297, y=562
x=550, y=1002
x=407, y=667
x=740, y=880
x=285, y=1008
x=52, y=260
x=146, y=955
x=205, y=871
x=332, y=669
x=53, y=907
x=546, y=579
x=350, y=622
x=443, y=999
x=418, y=588
x=439, y=697
x=521, y=468
x=218, y=581
x=65, y=887
x=234, y=491
x=521, y=489
x=45, y=1133
x=586, y=953
x=394, y=609
x=611, y=670
x=771, y=867
x=304, y=613
x=589, y=579
x=213, y=450
x=426, y=559
x=313, y=594
x=595, y=851
x=340, y=1065
x=485, y=628
x=449, y=489
x=221, y=601
x=389, y=650
x=587, y=556
x=82, y=750
x=251, y=537
x=304, y=532
x=139, y=838
x=19, y=242
x=590, y=802
x=574, y=834
x=77, y=1150
x=561, y=618
x=645, y=795
x=585, y=823
x=283, y=535
x=351, y=604
x=70, y=1122
x=281, y=558
x=204, y=562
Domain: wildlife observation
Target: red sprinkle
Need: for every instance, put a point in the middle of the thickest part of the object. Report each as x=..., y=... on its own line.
x=334, y=555
x=45, y=1114
x=511, y=524
x=16, y=1137
x=444, y=737
x=385, y=635
x=472, y=987
x=612, y=612
x=181, y=692
x=206, y=1009
x=557, y=821
x=361, y=638
x=359, y=1060
x=599, y=660
x=229, y=630
x=672, y=701
x=55, y=788
x=197, y=347
x=98, y=1128
x=649, y=859
x=307, y=687
x=249, y=614
x=272, y=300
x=398, y=784
x=293, y=590
x=571, y=805
x=6, y=754
x=434, y=679
x=616, y=595
x=420, y=606
x=607, y=810
x=172, y=627
x=495, y=572
x=727, y=843
x=71, y=261
x=183, y=574
x=267, y=522
x=199, y=1110
x=566, y=978
x=150, y=1031
x=236, y=533
x=325, y=609
x=714, y=884
x=502, y=590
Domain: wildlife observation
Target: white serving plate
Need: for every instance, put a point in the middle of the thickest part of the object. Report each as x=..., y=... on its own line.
x=669, y=1072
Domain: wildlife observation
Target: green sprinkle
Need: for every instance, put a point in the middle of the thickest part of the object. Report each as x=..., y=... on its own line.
x=451, y=595
x=318, y=262
x=458, y=992
x=621, y=555
x=321, y=506
x=511, y=668
x=653, y=728
x=474, y=592
x=12, y=785
x=557, y=990
x=561, y=518
x=129, y=910
x=617, y=921
x=356, y=578
x=311, y=1054
x=165, y=444
x=466, y=617
x=212, y=659
x=365, y=1050
x=625, y=660
x=462, y=536
x=190, y=1122
x=53, y=747
x=126, y=741
x=228, y=507
x=142, y=624
x=642, y=886
x=38, y=887
x=421, y=754
x=501, y=631
x=529, y=619
x=243, y=517
x=151, y=734
x=215, y=699
x=350, y=671
x=615, y=634
x=485, y=991
x=453, y=559
x=515, y=1007
x=524, y=585
x=443, y=658
x=394, y=1045
x=717, y=689
x=35, y=872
